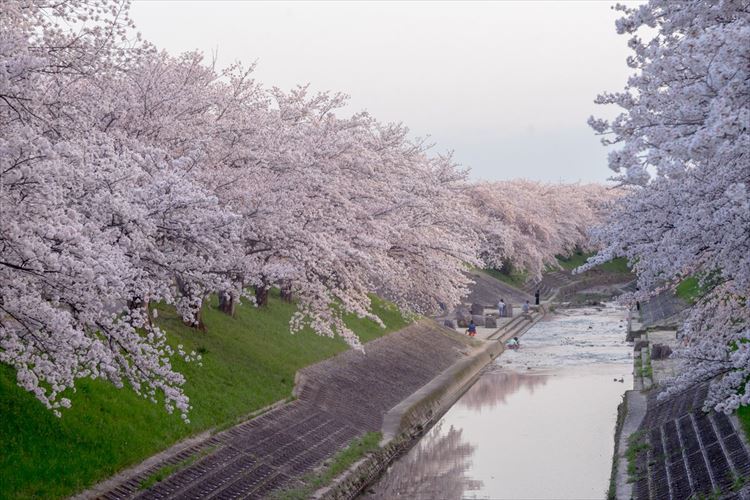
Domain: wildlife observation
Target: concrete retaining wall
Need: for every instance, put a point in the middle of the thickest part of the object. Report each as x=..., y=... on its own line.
x=409, y=419
x=439, y=394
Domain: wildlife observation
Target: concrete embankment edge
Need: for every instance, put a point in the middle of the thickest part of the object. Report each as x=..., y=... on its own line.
x=409, y=419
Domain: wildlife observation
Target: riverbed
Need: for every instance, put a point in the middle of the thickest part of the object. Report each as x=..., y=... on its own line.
x=538, y=424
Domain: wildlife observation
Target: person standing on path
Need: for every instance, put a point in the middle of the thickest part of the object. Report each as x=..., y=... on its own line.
x=526, y=310
x=536, y=297
x=501, y=308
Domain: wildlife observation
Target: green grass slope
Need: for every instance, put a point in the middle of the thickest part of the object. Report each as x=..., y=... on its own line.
x=578, y=258
x=689, y=290
x=514, y=278
x=518, y=278
x=249, y=362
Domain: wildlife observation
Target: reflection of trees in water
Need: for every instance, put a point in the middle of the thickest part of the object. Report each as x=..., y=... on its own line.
x=434, y=469
x=493, y=387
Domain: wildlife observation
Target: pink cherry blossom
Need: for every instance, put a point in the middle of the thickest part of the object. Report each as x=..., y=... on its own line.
x=684, y=137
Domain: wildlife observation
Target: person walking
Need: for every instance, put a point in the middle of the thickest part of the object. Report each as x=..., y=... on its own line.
x=525, y=309
x=501, y=308
x=536, y=297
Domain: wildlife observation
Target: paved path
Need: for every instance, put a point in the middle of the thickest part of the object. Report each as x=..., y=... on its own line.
x=339, y=399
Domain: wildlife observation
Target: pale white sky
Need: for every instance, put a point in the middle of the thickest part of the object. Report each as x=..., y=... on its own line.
x=507, y=86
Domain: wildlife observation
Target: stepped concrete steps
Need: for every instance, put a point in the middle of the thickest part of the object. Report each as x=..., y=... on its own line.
x=508, y=327
x=522, y=327
x=516, y=327
x=549, y=283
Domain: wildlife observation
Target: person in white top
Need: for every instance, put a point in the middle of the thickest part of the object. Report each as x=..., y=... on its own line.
x=501, y=308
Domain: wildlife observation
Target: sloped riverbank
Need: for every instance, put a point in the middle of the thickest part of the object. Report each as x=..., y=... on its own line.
x=669, y=448
x=337, y=400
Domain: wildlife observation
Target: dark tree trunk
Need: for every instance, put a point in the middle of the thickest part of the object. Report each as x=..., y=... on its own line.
x=198, y=323
x=227, y=303
x=507, y=267
x=135, y=303
x=197, y=316
x=261, y=295
x=197, y=319
x=286, y=291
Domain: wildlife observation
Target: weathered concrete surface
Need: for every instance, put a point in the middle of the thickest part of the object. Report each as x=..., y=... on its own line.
x=661, y=309
x=549, y=283
x=685, y=452
x=663, y=368
x=439, y=394
x=689, y=453
x=488, y=291
x=410, y=418
x=635, y=408
x=591, y=285
x=338, y=399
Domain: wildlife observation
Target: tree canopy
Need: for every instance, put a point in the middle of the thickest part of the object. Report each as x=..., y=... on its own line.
x=684, y=157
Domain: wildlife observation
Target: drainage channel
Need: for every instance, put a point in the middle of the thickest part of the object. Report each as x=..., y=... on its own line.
x=538, y=423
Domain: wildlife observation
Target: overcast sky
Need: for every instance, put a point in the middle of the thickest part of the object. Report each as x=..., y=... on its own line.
x=507, y=86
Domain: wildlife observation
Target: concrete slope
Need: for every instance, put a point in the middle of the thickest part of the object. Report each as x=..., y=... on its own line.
x=661, y=308
x=688, y=453
x=337, y=400
x=488, y=291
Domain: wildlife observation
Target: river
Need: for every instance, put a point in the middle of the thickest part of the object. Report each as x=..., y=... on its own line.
x=538, y=423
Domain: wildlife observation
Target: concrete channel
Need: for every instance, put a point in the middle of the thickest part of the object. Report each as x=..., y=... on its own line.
x=546, y=411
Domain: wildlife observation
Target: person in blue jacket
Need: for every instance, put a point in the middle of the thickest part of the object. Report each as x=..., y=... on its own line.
x=472, y=330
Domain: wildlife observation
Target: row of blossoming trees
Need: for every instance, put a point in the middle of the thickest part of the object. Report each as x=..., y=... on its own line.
x=129, y=176
x=685, y=158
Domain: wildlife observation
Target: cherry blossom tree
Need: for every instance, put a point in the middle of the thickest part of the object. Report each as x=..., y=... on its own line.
x=129, y=177
x=95, y=224
x=354, y=207
x=684, y=137
x=528, y=224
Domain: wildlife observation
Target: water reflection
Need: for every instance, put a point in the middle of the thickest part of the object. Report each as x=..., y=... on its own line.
x=494, y=387
x=546, y=411
x=435, y=468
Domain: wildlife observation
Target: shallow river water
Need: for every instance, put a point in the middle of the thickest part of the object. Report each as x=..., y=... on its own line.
x=539, y=423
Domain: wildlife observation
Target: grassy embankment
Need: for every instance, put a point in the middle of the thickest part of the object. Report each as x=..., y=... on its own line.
x=249, y=362
x=689, y=290
x=577, y=259
x=518, y=278
x=514, y=278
